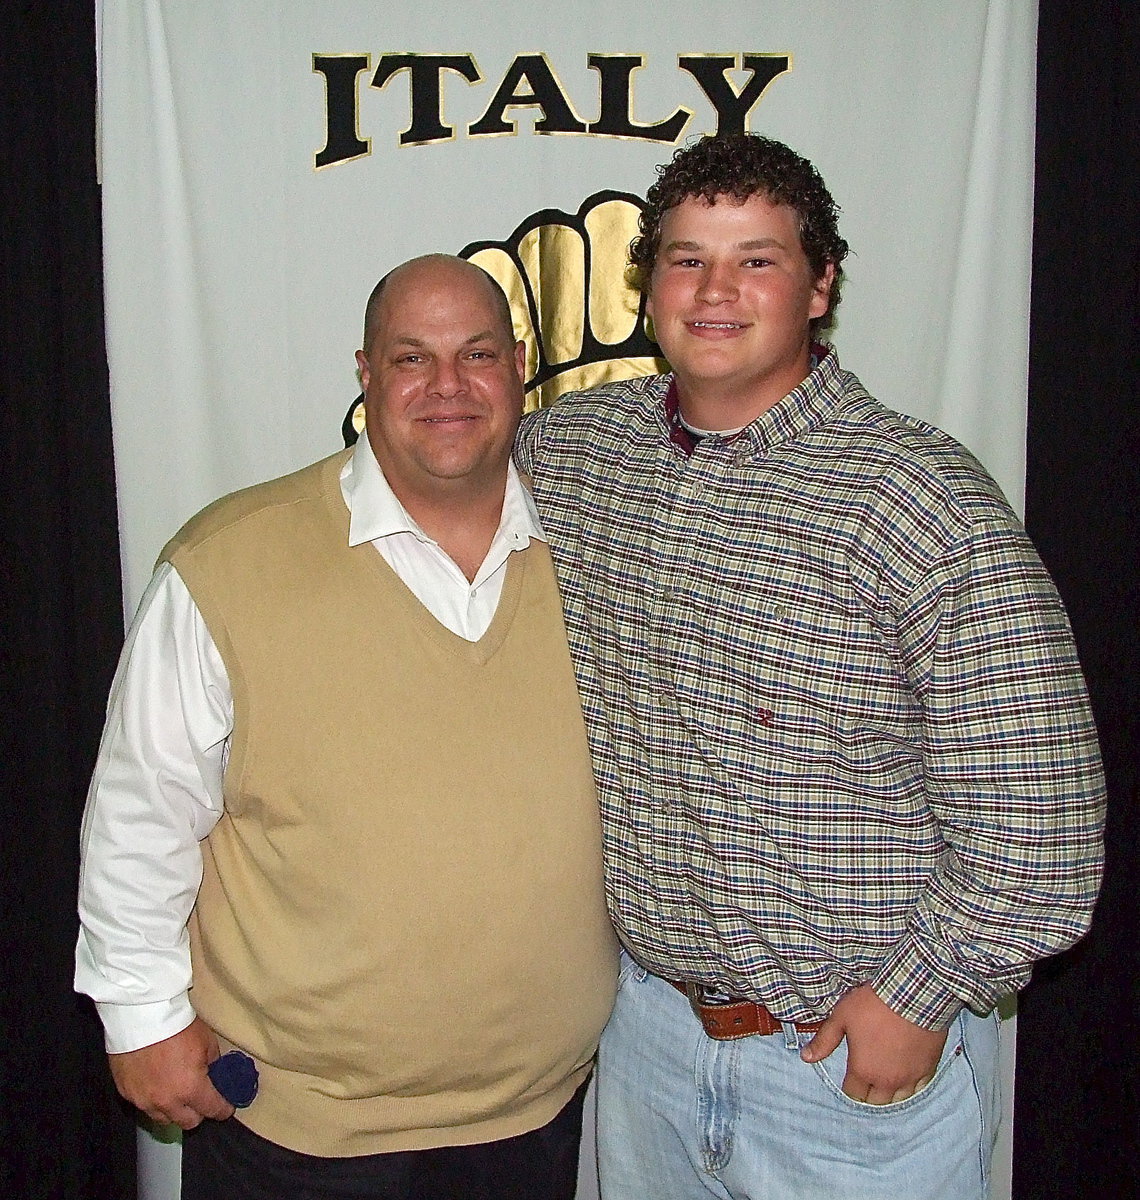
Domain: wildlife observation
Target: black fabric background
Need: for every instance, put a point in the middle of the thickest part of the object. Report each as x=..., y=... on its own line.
x=64, y=1133
x=1077, y=1118
x=63, y=1136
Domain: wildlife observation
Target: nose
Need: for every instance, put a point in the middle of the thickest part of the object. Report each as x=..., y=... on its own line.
x=445, y=380
x=717, y=285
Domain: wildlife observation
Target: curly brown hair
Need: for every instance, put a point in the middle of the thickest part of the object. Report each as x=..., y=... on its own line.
x=742, y=165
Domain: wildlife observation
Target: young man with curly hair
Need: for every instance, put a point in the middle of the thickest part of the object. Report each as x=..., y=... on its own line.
x=849, y=780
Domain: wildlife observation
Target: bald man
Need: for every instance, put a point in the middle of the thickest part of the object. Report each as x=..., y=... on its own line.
x=324, y=828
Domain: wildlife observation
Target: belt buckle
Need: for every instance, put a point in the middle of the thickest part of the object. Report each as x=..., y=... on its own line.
x=692, y=991
x=706, y=1014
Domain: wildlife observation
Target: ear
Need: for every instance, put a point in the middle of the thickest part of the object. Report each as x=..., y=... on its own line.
x=821, y=292
x=363, y=368
x=520, y=361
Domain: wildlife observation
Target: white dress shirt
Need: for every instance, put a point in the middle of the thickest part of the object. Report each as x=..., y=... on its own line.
x=157, y=787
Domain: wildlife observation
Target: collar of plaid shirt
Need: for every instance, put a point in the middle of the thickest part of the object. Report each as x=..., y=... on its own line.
x=680, y=436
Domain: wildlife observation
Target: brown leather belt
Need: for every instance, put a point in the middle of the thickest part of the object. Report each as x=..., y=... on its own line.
x=737, y=1018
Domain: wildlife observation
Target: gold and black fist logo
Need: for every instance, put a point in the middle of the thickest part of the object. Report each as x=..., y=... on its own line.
x=566, y=276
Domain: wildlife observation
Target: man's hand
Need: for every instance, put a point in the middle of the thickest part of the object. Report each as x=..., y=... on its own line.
x=168, y=1080
x=888, y=1057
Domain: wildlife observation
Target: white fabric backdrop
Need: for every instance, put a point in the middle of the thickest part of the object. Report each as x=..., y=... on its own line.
x=236, y=272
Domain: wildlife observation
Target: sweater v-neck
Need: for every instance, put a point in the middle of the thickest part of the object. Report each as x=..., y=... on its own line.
x=478, y=653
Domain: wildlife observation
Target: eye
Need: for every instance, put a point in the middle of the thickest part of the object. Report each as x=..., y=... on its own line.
x=757, y=262
x=411, y=359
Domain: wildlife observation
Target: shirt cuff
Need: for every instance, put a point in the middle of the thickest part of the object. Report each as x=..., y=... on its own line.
x=905, y=984
x=129, y=1027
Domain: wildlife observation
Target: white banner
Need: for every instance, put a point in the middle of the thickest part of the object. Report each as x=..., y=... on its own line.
x=263, y=164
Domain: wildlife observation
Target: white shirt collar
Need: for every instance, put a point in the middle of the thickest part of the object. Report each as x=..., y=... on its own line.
x=375, y=512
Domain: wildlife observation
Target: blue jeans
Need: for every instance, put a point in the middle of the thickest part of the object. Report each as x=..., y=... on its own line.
x=681, y=1116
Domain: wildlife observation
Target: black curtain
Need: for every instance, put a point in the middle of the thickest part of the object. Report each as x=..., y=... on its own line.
x=62, y=1133
x=1077, y=1124
x=65, y=1136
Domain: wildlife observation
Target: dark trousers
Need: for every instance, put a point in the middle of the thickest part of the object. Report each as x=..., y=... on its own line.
x=223, y=1160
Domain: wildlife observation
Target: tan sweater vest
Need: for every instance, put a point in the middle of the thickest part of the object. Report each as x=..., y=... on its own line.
x=401, y=917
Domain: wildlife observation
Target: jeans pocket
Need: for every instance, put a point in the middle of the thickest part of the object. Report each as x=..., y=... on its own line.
x=833, y=1068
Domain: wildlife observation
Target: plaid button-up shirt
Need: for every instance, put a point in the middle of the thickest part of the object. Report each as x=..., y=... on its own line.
x=838, y=724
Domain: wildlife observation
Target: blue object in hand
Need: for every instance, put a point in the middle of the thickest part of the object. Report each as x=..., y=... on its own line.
x=235, y=1076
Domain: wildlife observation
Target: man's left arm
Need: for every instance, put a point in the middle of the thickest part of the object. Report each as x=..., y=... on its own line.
x=1012, y=774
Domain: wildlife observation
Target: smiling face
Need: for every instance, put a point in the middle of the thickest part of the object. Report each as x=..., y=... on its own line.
x=731, y=296
x=443, y=382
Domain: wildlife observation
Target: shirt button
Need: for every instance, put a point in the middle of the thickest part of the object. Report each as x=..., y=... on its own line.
x=780, y=612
